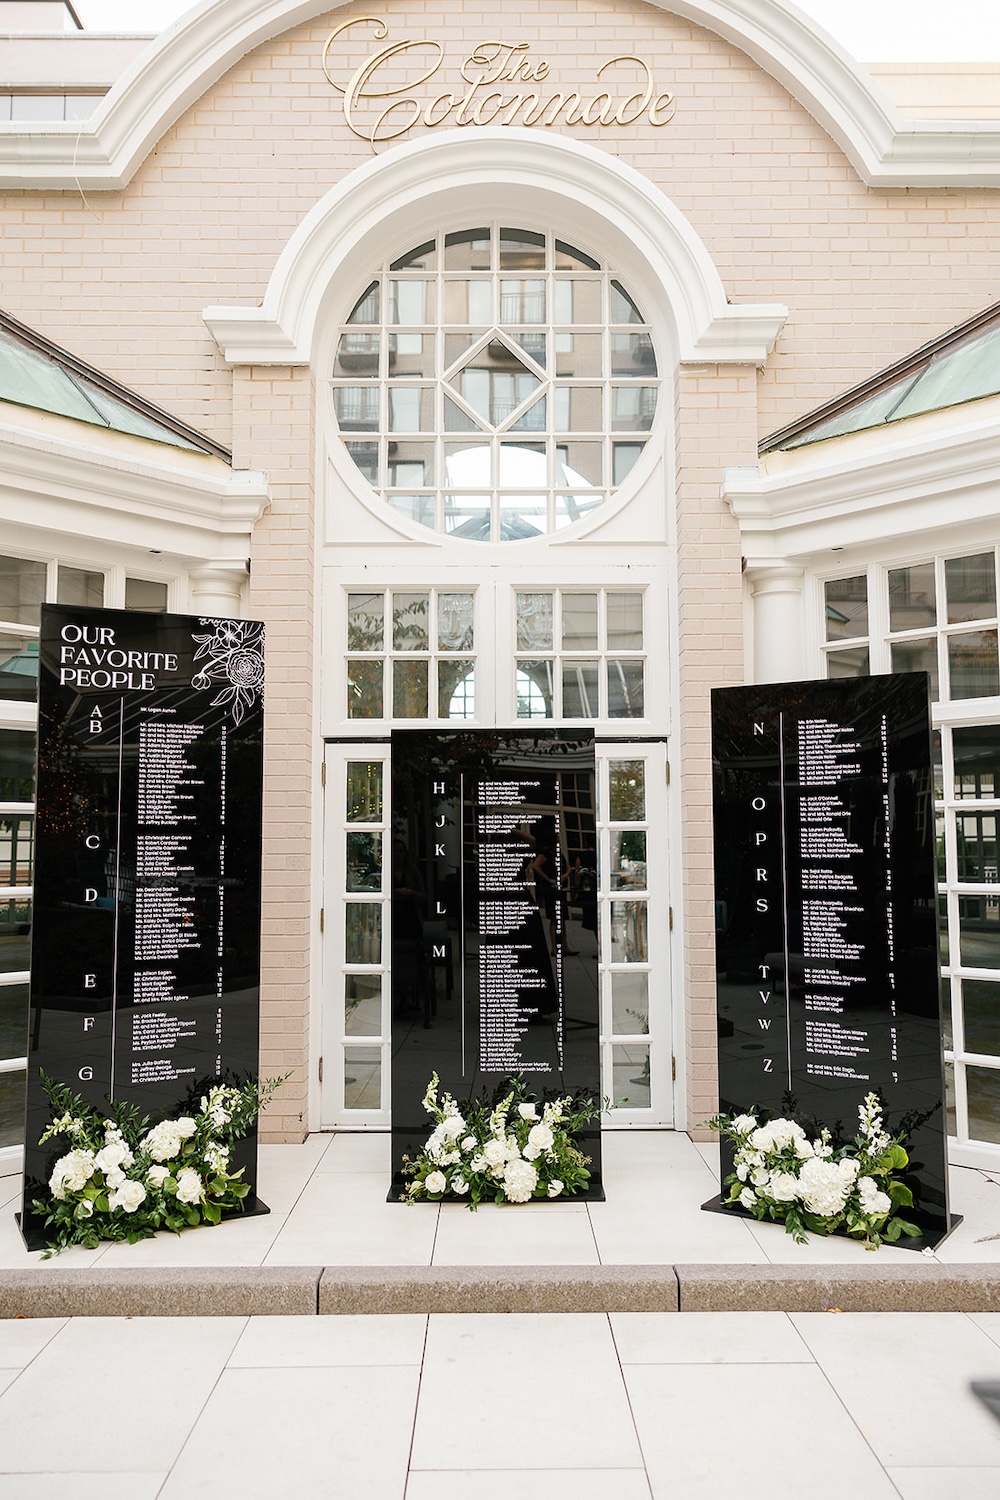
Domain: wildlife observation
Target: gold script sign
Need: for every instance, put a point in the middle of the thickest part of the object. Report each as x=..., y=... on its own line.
x=505, y=85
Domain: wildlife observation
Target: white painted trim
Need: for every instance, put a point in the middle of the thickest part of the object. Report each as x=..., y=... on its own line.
x=839, y=499
x=415, y=186
x=201, y=510
x=185, y=61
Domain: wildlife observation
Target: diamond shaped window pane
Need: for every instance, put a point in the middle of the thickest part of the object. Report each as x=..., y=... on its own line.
x=495, y=383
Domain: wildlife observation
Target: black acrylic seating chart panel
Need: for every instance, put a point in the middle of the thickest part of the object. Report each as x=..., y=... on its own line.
x=826, y=911
x=491, y=976
x=145, y=955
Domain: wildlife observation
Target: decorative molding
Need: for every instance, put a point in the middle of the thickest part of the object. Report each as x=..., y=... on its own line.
x=901, y=489
x=59, y=485
x=183, y=63
x=422, y=182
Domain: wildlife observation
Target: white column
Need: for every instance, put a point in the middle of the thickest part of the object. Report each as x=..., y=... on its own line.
x=217, y=588
x=778, y=622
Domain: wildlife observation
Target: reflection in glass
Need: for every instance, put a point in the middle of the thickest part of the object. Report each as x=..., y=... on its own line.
x=409, y=689
x=78, y=586
x=363, y=1004
x=358, y=353
x=579, y=463
x=623, y=309
x=456, y=690
x=630, y=1003
x=363, y=932
x=410, y=621
x=624, y=622
x=976, y=751
x=411, y=408
x=632, y=354
x=578, y=301
x=970, y=586
x=522, y=250
x=467, y=516
x=411, y=464
x=362, y=1078
x=364, y=791
x=522, y=516
x=972, y=664
x=365, y=455
x=629, y=932
x=419, y=508
x=495, y=384
x=579, y=355
x=15, y=938
x=630, y=1071
x=981, y=1010
x=365, y=622
x=628, y=859
x=13, y=1018
x=364, y=861
x=947, y=1029
x=571, y=508
x=626, y=699
x=423, y=258
x=17, y=842
x=22, y=590
x=632, y=407
x=918, y=656
x=979, y=931
x=533, y=689
x=944, y=939
x=983, y=1090
x=578, y=408
x=18, y=667
x=579, y=622
x=976, y=843
x=467, y=250
x=522, y=301
x=624, y=457
x=942, y=863
x=534, y=622
x=912, y=597
x=366, y=309
x=456, y=419
x=846, y=607
x=627, y=791
x=580, y=690
x=364, y=689
x=455, y=622
x=468, y=301
x=853, y=662
x=12, y=1108
x=145, y=595
x=17, y=766
x=522, y=466
x=356, y=407
x=949, y=1097
x=411, y=302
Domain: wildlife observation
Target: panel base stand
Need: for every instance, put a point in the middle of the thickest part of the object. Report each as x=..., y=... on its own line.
x=253, y=1208
x=592, y=1194
x=930, y=1239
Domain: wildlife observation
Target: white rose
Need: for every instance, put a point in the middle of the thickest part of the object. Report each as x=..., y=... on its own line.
x=804, y=1149
x=452, y=1127
x=555, y=1187
x=460, y=1186
x=495, y=1152
x=759, y=1177
x=540, y=1138
x=748, y=1197
x=114, y=1177
x=84, y=1209
x=527, y=1111
x=743, y=1124
x=783, y=1187
x=519, y=1181
x=185, y=1127
x=469, y=1144
x=743, y=1171
x=189, y=1186
x=157, y=1176
x=435, y=1182
x=129, y=1196
x=114, y=1154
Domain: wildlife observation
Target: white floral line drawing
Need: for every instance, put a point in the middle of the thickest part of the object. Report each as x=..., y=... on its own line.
x=234, y=654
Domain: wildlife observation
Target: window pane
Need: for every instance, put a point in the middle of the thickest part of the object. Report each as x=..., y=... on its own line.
x=363, y=933
x=632, y=354
x=363, y=1004
x=976, y=838
x=364, y=791
x=579, y=622
x=947, y=1030
x=623, y=309
x=853, y=662
x=522, y=516
x=13, y=1020
x=571, y=508
x=628, y=859
x=410, y=621
x=16, y=850
x=15, y=936
x=411, y=464
x=976, y=752
x=467, y=516
x=578, y=301
x=632, y=407
x=579, y=355
x=846, y=607
x=455, y=622
x=624, y=457
x=409, y=689
x=366, y=309
x=629, y=941
x=17, y=766
x=365, y=622
x=356, y=407
x=456, y=690
x=411, y=408
x=630, y=1070
x=625, y=689
x=364, y=861
x=579, y=463
x=973, y=668
x=983, y=1088
x=630, y=1003
x=981, y=1005
x=419, y=508
x=362, y=1078
x=12, y=1087
x=970, y=583
x=522, y=301
x=627, y=791
x=22, y=590
x=411, y=302
x=534, y=622
x=578, y=408
x=580, y=690
x=357, y=354
x=18, y=667
x=522, y=250
x=979, y=926
x=624, y=622
x=78, y=587
x=145, y=595
x=364, y=690
x=468, y=301
x=467, y=250
x=912, y=596
x=918, y=656
x=534, y=690
x=365, y=455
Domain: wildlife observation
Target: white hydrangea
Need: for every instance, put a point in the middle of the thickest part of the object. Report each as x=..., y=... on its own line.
x=823, y=1188
x=519, y=1180
x=873, y=1200
x=71, y=1173
x=163, y=1142
x=128, y=1196
x=777, y=1135
x=190, y=1187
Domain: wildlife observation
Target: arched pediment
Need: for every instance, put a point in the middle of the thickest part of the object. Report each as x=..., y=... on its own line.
x=184, y=62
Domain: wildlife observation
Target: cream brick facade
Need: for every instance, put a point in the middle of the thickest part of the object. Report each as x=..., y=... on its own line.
x=122, y=277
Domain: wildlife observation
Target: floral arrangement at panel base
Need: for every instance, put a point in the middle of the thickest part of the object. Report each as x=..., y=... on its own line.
x=780, y=1174
x=124, y=1180
x=513, y=1149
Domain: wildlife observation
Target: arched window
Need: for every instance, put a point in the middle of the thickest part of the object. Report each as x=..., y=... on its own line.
x=495, y=384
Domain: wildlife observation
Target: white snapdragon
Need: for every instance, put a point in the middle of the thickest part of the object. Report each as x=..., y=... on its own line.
x=217, y=1156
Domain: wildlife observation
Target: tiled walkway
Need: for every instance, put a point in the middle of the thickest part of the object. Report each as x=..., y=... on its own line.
x=627, y=1406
